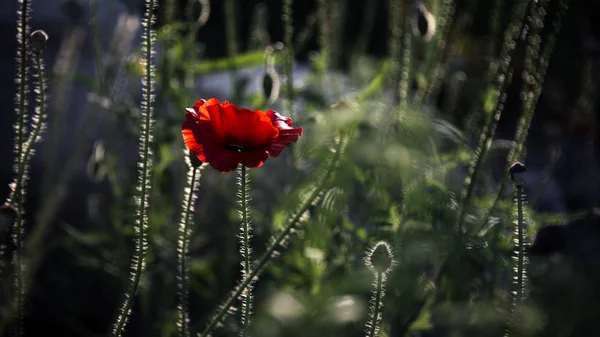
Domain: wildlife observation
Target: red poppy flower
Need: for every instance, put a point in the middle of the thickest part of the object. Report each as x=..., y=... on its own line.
x=224, y=135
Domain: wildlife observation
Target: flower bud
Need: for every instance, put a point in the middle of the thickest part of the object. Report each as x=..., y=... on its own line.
x=517, y=172
x=38, y=40
x=380, y=258
x=423, y=22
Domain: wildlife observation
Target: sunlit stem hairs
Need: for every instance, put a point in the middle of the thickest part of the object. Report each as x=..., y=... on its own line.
x=34, y=45
x=517, y=172
x=243, y=195
x=189, y=199
x=380, y=260
x=16, y=199
x=138, y=264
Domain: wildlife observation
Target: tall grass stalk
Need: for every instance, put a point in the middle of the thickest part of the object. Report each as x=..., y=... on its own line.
x=280, y=239
x=145, y=165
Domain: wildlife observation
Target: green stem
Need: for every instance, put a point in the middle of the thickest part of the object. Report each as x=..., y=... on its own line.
x=544, y=60
x=288, y=34
x=184, y=232
x=18, y=197
x=502, y=81
x=139, y=260
x=521, y=245
x=376, y=306
x=268, y=255
x=243, y=194
x=23, y=39
x=97, y=46
x=22, y=52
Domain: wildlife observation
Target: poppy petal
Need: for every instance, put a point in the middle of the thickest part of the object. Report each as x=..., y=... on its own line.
x=247, y=128
x=216, y=117
x=190, y=141
x=254, y=158
x=226, y=136
x=287, y=134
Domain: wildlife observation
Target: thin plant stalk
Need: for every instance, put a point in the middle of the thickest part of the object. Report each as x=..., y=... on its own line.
x=540, y=74
x=289, y=59
x=190, y=196
x=18, y=193
x=501, y=82
x=20, y=131
x=516, y=172
x=97, y=46
x=376, y=307
x=279, y=240
x=245, y=248
x=380, y=260
x=145, y=165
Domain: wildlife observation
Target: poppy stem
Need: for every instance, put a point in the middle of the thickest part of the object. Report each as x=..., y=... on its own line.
x=245, y=249
x=191, y=193
x=289, y=60
x=280, y=239
x=138, y=263
x=519, y=260
x=542, y=67
x=500, y=83
x=376, y=306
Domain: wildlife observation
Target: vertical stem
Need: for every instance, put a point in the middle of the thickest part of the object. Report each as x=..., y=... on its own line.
x=288, y=34
x=245, y=249
x=279, y=240
x=97, y=47
x=405, y=61
x=145, y=165
x=521, y=245
x=376, y=307
x=184, y=232
x=20, y=129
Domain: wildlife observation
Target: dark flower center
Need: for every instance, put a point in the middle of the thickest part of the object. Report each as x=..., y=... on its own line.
x=235, y=147
x=232, y=144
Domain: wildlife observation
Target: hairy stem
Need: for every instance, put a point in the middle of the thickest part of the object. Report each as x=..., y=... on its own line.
x=97, y=46
x=540, y=74
x=17, y=195
x=520, y=262
x=289, y=60
x=191, y=193
x=376, y=307
x=245, y=249
x=145, y=164
x=501, y=83
x=278, y=240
